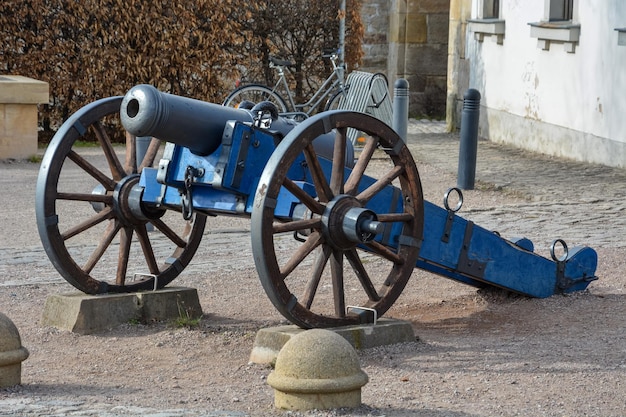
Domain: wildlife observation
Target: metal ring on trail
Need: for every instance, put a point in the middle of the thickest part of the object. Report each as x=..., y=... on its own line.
x=446, y=196
x=562, y=258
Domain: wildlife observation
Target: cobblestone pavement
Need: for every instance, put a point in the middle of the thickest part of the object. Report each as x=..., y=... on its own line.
x=578, y=202
x=52, y=408
x=581, y=203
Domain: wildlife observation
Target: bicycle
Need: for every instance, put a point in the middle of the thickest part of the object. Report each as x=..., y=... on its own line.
x=332, y=87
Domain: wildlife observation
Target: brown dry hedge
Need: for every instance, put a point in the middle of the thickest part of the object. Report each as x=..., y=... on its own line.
x=90, y=49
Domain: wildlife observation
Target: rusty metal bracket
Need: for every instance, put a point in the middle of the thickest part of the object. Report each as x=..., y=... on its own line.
x=471, y=267
x=445, y=237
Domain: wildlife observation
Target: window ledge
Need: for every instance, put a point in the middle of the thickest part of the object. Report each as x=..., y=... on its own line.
x=487, y=27
x=564, y=32
x=621, y=36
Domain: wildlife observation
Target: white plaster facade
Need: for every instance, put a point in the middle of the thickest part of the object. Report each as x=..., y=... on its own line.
x=566, y=97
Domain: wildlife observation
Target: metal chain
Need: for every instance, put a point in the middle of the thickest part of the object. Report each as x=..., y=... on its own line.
x=191, y=173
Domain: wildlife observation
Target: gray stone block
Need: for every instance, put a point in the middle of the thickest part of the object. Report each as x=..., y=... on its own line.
x=86, y=314
x=269, y=341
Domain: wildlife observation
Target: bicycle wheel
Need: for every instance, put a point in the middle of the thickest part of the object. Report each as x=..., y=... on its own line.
x=379, y=89
x=255, y=93
x=334, y=101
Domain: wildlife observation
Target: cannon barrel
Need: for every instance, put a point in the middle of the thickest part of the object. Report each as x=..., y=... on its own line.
x=198, y=125
x=194, y=124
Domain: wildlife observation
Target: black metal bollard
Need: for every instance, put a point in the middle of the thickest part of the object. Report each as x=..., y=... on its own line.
x=400, y=107
x=469, y=140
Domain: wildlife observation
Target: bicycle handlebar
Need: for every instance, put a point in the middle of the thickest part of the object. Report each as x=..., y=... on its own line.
x=332, y=54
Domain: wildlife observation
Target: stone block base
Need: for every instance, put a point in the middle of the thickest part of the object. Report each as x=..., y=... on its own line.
x=269, y=342
x=19, y=97
x=85, y=314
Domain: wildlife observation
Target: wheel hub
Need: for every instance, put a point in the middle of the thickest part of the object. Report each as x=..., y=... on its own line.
x=346, y=223
x=127, y=203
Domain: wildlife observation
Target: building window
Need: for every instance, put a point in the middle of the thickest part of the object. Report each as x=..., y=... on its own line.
x=491, y=9
x=558, y=27
x=561, y=10
x=621, y=36
x=488, y=22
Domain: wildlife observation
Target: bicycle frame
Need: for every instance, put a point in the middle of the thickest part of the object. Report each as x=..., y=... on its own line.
x=333, y=82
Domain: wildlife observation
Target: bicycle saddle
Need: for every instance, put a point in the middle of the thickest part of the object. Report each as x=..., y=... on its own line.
x=281, y=62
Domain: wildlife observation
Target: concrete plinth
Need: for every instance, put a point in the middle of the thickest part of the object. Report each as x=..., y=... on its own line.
x=19, y=97
x=85, y=314
x=269, y=342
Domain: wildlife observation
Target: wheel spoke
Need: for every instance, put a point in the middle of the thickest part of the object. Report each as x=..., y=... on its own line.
x=314, y=240
x=339, y=296
x=108, y=183
x=339, y=161
x=171, y=235
x=324, y=193
x=130, y=165
x=361, y=273
x=381, y=183
x=105, y=242
x=148, y=159
x=92, y=198
x=395, y=217
x=354, y=179
x=126, y=237
x=98, y=218
x=109, y=153
x=146, y=247
x=297, y=225
x=304, y=198
x=385, y=252
x=316, y=275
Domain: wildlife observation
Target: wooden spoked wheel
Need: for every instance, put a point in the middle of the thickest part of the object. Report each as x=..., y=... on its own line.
x=333, y=263
x=92, y=223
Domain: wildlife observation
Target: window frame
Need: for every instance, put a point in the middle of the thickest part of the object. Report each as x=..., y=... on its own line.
x=556, y=28
x=490, y=9
x=560, y=10
x=621, y=36
x=488, y=22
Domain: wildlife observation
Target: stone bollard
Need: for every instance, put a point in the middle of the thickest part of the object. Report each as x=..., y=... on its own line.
x=317, y=369
x=12, y=353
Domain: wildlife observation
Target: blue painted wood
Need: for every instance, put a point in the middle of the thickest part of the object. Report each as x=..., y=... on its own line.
x=487, y=259
x=506, y=264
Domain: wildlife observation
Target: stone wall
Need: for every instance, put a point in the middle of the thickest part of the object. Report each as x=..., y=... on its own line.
x=409, y=39
x=375, y=16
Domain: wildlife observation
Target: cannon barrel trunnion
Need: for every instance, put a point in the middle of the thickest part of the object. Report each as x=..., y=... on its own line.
x=336, y=234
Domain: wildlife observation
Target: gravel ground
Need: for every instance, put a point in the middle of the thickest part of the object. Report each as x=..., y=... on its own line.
x=476, y=354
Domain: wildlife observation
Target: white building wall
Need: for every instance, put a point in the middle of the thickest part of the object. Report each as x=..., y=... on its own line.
x=565, y=104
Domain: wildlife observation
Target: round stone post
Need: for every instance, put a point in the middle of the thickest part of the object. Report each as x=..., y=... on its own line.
x=12, y=353
x=317, y=369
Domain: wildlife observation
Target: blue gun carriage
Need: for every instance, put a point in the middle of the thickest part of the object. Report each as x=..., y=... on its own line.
x=336, y=232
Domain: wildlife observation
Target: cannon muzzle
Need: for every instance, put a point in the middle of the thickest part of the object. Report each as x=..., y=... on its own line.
x=194, y=124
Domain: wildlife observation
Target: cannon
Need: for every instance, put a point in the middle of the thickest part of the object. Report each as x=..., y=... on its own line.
x=335, y=232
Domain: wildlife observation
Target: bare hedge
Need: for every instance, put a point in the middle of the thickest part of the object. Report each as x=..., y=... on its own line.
x=91, y=49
